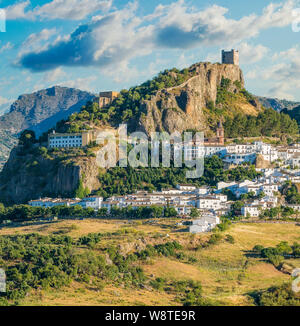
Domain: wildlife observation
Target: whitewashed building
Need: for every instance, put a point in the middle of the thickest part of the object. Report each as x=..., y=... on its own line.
x=205, y=224
x=92, y=202
x=251, y=210
x=211, y=202
x=237, y=158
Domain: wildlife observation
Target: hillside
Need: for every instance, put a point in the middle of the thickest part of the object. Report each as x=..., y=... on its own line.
x=119, y=262
x=196, y=98
x=294, y=113
x=39, y=112
x=193, y=98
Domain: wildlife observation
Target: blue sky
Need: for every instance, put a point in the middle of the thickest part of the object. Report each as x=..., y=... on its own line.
x=99, y=45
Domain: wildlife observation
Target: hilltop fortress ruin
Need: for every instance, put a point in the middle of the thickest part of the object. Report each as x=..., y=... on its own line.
x=231, y=57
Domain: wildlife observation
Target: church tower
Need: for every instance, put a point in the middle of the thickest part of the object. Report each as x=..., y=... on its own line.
x=220, y=133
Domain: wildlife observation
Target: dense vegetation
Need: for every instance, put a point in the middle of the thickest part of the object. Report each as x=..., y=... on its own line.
x=267, y=123
x=294, y=113
x=277, y=296
x=126, y=107
x=280, y=212
x=127, y=180
x=291, y=194
x=276, y=255
x=35, y=262
x=26, y=212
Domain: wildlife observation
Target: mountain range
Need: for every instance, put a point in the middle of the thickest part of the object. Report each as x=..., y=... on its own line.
x=277, y=104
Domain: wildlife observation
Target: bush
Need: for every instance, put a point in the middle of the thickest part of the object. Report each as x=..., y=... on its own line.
x=230, y=239
x=278, y=296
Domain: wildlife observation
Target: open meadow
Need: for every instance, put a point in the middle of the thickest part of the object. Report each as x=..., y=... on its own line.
x=227, y=270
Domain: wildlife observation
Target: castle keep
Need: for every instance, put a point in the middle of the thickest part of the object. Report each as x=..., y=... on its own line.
x=230, y=57
x=106, y=98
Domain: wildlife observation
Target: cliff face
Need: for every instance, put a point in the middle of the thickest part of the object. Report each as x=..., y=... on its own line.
x=27, y=177
x=181, y=108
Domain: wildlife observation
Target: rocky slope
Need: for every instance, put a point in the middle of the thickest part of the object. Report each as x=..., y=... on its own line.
x=30, y=175
x=39, y=112
x=180, y=108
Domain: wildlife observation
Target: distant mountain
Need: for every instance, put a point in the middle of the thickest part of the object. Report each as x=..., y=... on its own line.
x=39, y=112
x=276, y=104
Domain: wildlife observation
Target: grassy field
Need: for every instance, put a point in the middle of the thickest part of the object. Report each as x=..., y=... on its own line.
x=226, y=271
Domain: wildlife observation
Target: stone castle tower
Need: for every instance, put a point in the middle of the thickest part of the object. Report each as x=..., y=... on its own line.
x=106, y=98
x=231, y=57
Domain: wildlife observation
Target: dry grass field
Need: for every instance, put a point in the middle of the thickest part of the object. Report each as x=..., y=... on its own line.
x=226, y=271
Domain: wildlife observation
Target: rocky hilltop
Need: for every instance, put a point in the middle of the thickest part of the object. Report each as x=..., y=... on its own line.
x=39, y=112
x=181, y=107
x=193, y=98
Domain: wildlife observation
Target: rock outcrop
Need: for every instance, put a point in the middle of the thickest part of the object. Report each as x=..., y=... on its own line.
x=181, y=108
x=27, y=177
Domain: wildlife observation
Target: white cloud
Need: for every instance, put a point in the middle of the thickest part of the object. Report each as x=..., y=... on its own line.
x=54, y=75
x=252, y=74
x=252, y=53
x=291, y=53
x=6, y=47
x=213, y=57
x=121, y=35
x=3, y=100
x=17, y=11
x=35, y=42
x=80, y=83
x=57, y=9
x=281, y=90
x=211, y=27
x=282, y=76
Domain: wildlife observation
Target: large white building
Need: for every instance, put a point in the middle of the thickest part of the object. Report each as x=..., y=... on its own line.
x=70, y=140
x=65, y=140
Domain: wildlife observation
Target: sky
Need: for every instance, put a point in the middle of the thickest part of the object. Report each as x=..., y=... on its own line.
x=100, y=45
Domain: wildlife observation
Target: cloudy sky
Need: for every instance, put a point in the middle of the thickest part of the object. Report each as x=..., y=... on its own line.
x=99, y=45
